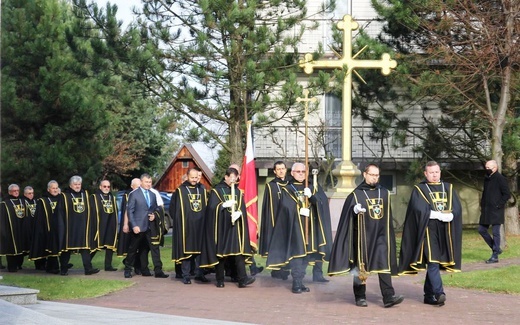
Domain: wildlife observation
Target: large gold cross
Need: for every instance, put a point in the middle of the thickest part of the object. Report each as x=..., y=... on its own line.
x=346, y=171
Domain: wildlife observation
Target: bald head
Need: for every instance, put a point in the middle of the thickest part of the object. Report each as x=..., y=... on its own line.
x=491, y=167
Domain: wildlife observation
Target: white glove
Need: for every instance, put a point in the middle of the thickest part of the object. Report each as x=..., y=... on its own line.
x=305, y=212
x=228, y=203
x=307, y=192
x=436, y=215
x=358, y=208
x=446, y=217
x=235, y=215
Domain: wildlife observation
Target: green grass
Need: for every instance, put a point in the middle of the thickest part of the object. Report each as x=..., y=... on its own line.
x=65, y=288
x=500, y=279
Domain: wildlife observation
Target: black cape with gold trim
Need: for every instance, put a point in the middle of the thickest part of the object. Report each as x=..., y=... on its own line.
x=442, y=241
x=123, y=239
x=76, y=228
x=272, y=195
x=221, y=238
x=376, y=241
x=288, y=238
x=187, y=209
x=15, y=225
x=104, y=214
x=45, y=237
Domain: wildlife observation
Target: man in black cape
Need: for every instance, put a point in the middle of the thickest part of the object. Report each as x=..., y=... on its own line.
x=44, y=245
x=15, y=227
x=365, y=239
x=226, y=232
x=432, y=233
x=76, y=228
x=302, y=233
x=30, y=204
x=272, y=196
x=104, y=214
x=187, y=208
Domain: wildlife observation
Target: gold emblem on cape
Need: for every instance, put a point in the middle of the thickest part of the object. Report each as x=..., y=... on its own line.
x=32, y=208
x=375, y=208
x=108, y=207
x=228, y=197
x=300, y=196
x=439, y=200
x=19, y=210
x=78, y=205
x=195, y=202
x=53, y=205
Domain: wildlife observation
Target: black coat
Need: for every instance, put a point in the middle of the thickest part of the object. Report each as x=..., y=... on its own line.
x=494, y=198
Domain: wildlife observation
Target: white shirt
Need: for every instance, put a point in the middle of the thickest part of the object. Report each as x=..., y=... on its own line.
x=158, y=197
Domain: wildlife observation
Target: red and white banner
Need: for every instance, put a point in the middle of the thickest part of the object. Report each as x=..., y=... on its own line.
x=248, y=185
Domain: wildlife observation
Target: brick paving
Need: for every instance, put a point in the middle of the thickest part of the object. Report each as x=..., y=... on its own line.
x=270, y=301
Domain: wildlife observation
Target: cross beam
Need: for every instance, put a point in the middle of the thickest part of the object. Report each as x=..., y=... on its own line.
x=346, y=171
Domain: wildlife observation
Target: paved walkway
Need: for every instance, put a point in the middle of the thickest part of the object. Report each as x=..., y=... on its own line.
x=269, y=301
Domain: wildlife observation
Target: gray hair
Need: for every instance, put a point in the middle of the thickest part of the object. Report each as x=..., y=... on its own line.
x=75, y=179
x=50, y=183
x=12, y=186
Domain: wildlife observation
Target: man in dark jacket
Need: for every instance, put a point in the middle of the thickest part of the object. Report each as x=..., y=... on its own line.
x=492, y=206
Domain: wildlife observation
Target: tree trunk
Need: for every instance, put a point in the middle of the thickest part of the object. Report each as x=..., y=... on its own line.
x=512, y=222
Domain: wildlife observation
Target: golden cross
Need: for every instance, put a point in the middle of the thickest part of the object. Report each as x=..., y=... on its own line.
x=346, y=172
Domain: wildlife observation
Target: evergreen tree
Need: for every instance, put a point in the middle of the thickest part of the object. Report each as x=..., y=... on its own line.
x=219, y=63
x=51, y=117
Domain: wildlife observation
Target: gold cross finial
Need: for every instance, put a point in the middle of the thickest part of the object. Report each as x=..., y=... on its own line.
x=346, y=171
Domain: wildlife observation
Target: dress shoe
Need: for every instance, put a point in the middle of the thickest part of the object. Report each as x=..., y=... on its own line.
x=437, y=300
x=220, y=284
x=55, y=271
x=186, y=280
x=319, y=278
x=305, y=289
x=392, y=301
x=128, y=274
x=70, y=265
x=163, y=275
x=245, y=282
x=64, y=272
x=499, y=251
x=110, y=269
x=361, y=302
x=91, y=271
x=492, y=259
x=298, y=287
x=256, y=269
x=202, y=278
x=137, y=272
x=146, y=273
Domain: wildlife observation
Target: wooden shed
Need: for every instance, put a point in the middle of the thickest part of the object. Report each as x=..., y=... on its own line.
x=185, y=159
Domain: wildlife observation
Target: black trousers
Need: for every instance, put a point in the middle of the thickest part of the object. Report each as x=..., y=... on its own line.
x=14, y=262
x=187, y=266
x=298, y=266
x=86, y=258
x=136, y=241
x=240, y=267
x=385, y=284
